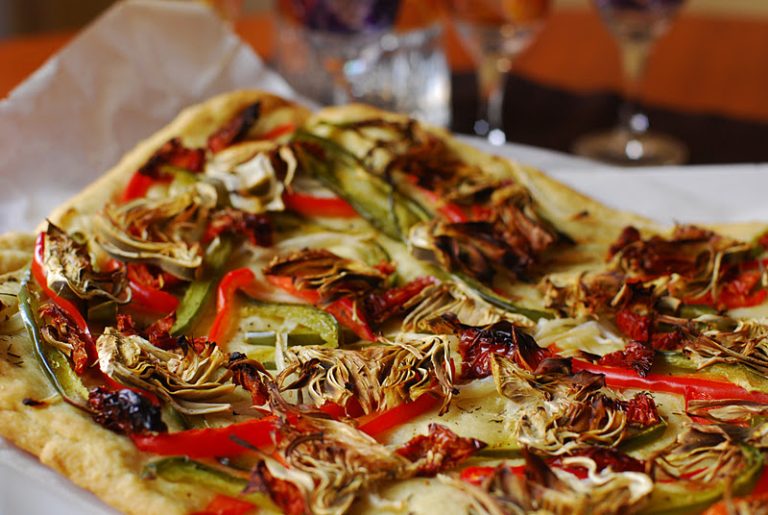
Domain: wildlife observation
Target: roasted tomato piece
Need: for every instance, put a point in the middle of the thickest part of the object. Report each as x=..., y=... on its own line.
x=283, y=493
x=235, y=129
x=641, y=411
x=60, y=330
x=257, y=228
x=251, y=375
x=477, y=344
x=438, y=450
x=635, y=355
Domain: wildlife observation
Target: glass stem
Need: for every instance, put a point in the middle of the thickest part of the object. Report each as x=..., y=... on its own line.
x=492, y=75
x=634, y=57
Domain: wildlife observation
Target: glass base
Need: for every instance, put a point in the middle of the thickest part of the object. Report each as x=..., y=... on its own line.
x=494, y=136
x=624, y=148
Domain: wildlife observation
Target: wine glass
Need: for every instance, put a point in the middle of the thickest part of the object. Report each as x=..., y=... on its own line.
x=496, y=31
x=636, y=25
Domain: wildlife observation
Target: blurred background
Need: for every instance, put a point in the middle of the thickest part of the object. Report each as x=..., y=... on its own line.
x=705, y=82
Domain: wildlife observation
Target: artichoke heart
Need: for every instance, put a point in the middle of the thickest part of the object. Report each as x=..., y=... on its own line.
x=378, y=377
x=165, y=232
x=255, y=184
x=562, y=413
x=555, y=490
x=193, y=382
x=68, y=266
x=436, y=300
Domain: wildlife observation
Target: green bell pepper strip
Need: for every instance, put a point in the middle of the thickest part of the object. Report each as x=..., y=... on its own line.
x=642, y=437
x=375, y=199
x=500, y=302
x=54, y=363
x=738, y=374
x=200, y=290
x=268, y=338
x=674, y=498
x=320, y=325
x=186, y=471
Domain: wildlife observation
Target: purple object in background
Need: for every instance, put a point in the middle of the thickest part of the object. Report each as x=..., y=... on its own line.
x=638, y=19
x=345, y=16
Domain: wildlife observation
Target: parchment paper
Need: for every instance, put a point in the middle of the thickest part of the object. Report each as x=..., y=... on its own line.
x=137, y=66
x=120, y=80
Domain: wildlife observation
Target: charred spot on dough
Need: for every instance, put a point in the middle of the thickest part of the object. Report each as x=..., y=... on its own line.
x=581, y=215
x=33, y=403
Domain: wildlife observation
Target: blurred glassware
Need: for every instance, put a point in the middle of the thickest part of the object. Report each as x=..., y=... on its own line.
x=496, y=31
x=339, y=51
x=636, y=26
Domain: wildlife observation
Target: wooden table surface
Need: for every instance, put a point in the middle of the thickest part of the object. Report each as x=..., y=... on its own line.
x=710, y=66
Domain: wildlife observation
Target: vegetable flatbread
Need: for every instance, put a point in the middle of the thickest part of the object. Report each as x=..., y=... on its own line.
x=347, y=311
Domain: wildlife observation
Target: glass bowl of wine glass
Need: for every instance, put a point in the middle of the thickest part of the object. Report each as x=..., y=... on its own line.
x=636, y=25
x=495, y=33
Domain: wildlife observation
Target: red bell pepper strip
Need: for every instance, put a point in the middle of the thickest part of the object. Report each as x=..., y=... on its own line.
x=280, y=130
x=345, y=310
x=38, y=272
x=210, y=442
x=309, y=205
x=144, y=297
x=352, y=409
x=690, y=387
x=225, y=505
x=140, y=183
x=379, y=423
x=225, y=299
x=147, y=299
x=450, y=211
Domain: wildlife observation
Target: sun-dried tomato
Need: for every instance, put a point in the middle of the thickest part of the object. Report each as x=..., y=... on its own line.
x=641, y=411
x=636, y=355
x=286, y=495
x=174, y=153
x=672, y=340
x=251, y=375
x=151, y=276
x=125, y=411
x=235, y=129
x=257, y=228
x=159, y=332
x=476, y=344
x=125, y=325
x=633, y=325
x=628, y=235
x=438, y=450
x=58, y=325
